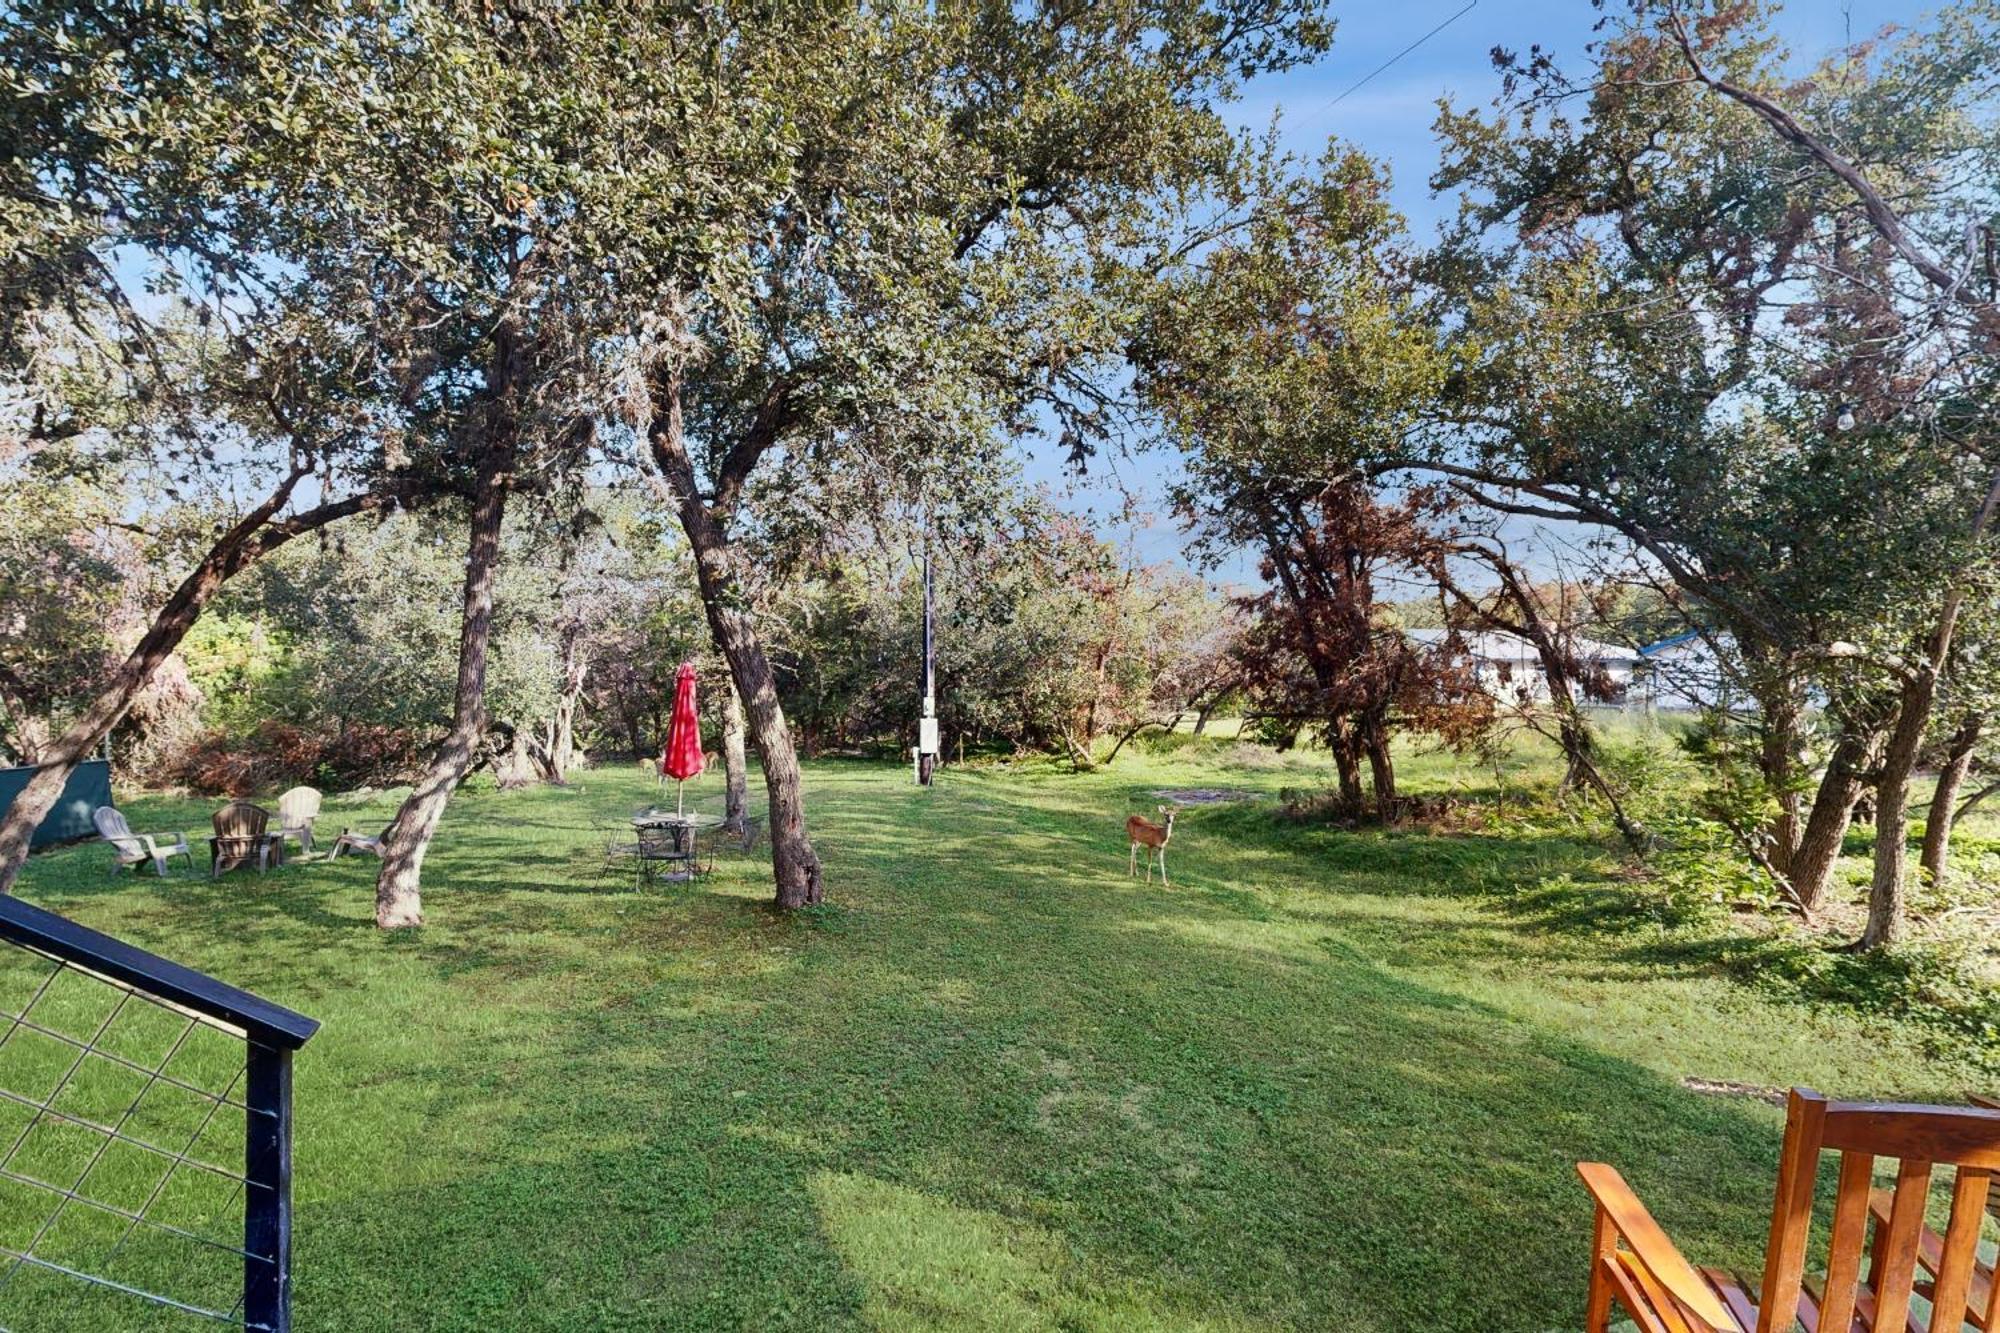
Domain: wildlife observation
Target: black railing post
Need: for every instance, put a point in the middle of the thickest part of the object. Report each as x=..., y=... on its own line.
x=267, y=1211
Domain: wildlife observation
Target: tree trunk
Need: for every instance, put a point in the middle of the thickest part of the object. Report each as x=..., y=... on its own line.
x=1578, y=744
x=735, y=780
x=1347, y=763
x=1776, y=758
x=1944, y=800
x=514, y=758
x=1888, y=889
x=1818, y=851
x=794, y=864
x=254, y=536
x=398, y=900
x=1381, y=773
x=562, y=727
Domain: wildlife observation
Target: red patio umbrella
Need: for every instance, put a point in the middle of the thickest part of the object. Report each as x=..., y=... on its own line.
x=683, y=759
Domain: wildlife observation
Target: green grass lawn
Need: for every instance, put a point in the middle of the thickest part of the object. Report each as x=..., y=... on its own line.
x=1328, y=1080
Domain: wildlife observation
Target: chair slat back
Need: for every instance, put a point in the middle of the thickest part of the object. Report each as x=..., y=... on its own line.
x=1849, y=1239
x=1917, y=1140
x=113, y=828
x=240, y=819
x=1969, y=1192
x=298, y=805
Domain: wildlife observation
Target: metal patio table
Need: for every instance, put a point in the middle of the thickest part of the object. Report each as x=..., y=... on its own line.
x=684, y=829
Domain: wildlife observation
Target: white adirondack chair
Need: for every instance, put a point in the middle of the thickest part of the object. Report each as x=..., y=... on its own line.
x=135, y=849
x=297, y=809
x=350, y=841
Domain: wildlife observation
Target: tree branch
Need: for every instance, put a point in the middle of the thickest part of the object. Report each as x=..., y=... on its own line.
x=1880, y=215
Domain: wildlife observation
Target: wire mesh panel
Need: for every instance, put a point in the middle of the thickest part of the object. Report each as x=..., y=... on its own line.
x=144, y=1147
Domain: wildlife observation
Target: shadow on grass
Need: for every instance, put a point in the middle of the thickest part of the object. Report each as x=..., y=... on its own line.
x=1031, y=1139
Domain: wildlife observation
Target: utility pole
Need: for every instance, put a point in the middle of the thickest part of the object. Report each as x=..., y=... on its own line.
x=927, y=725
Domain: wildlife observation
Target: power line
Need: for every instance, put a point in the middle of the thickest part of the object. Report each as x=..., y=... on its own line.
x=1470, y=6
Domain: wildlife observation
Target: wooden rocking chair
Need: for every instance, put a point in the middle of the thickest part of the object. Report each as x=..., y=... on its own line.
x=1635, y=1265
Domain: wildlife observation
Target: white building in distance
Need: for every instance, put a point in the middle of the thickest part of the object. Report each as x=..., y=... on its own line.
x=1511, y=670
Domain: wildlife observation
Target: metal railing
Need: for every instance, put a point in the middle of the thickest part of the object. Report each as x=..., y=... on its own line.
x=145, y=1138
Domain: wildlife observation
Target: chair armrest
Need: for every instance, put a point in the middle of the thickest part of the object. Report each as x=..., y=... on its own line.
x=1650, y=1245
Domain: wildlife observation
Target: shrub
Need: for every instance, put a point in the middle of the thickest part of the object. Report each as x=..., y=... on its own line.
x=274, y=754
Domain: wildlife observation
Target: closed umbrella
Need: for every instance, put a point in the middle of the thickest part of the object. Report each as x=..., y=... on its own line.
x=683, y=759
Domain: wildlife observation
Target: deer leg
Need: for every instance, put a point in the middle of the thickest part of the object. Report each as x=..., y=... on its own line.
x=1163, y=868
x=1132, y=863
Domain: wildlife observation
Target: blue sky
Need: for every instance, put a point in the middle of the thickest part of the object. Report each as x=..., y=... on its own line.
x=1390, y=117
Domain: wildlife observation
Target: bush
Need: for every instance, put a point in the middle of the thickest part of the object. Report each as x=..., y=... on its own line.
x=1328, y=806
x=275, y=754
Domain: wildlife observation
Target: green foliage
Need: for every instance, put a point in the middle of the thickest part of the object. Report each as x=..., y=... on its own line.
x=1700, y=871
x=235, y=662
x=65, y=591
x=1939, y=988
x=1673, y=324
x=1049, y=639
x=920, y=242
x=1292, y=350
x=337, y=656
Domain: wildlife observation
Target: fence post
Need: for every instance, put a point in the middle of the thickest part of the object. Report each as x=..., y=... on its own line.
x=267, y=1198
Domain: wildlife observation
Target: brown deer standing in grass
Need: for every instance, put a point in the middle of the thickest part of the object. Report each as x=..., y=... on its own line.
x=1145, y=833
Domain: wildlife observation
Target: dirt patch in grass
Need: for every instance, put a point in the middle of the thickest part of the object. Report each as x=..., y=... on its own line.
x=1722, y=1087
x=1204, y=795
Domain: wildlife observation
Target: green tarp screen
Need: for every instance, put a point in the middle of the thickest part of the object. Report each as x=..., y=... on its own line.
x=88, y=787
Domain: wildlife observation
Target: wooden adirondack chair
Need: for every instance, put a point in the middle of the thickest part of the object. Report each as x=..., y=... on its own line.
x=240, y=839
x=135, y=849
x=297, y=809
x=1634, y=1264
